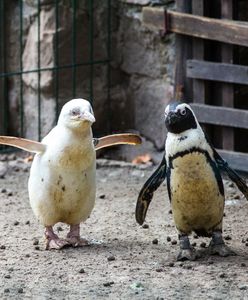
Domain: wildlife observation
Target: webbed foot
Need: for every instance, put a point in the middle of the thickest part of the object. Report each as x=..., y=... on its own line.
x=53, y=241
x=73, y=237
x=217, y=246
x=187, y=254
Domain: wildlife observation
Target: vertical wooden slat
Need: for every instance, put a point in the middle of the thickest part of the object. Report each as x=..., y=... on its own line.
x=198, y=53
x=227, y=89
x=183, y=51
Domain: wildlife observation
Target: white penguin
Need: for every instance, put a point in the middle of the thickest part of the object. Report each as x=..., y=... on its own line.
x=62, y=181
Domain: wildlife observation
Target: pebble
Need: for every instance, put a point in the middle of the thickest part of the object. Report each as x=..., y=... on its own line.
x=102, y=196
x=196, y=236
x=7, y=276
x=81, y=271
x=243, y=287
x=36, y=242
x=193, y=244
x=155, y=241
x=203, y=245
x=246, y=244
x=108, y=283
x=3, y=247
x=20, y=290
x=222, y=275
x=10, y=194
x=171, y=264
x=168, y=239
x=173, y=242
x=59, y=228
x=27, y=255
x=145, y=226
x=243, y=265
x=6, y=291
x=37, y=248
x=170, y=212
x=3, y=190
x=159, y=270
x=227, y=237
x=111, y=258
x=27, y=223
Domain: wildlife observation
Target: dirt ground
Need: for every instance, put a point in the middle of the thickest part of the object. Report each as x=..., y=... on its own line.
x=127, y=261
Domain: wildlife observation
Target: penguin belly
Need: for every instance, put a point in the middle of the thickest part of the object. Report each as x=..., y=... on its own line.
x=63, y=190
x=196, y=192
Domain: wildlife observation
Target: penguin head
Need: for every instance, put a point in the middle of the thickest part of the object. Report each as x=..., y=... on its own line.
x=77, y=113
x=179, y=117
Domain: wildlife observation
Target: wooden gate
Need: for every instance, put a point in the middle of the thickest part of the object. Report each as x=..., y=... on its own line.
x=211, y=68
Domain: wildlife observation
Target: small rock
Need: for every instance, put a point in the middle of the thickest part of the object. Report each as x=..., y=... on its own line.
x=171, y=264
x=243, y=265
x=108, y=283
x=27, y=255
x=10, y=194
x=203, y=245
x=6, y=291
x=222, y=275
x=159, y=270
x=236, y=197
x=11, y=269
x=81, y=271
x=111, y=258
x=243, y=287
x=3, y=247
x=170, y=212
x=227, y=237
x=20, y=290
x=37, y=248
x=3, y=190
x=59, y=228
x=173, y=242
x=145, y=226
x=196, y=236
x=7, y=276
x=193, y=244
x=168, y=239
x=16, y=223
x=27, y=223
x=155, y=241
x=246, y=244
x=102, y=196
x=36, y=242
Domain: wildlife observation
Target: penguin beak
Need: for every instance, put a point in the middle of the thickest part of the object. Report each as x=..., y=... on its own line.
x=171, y=117
x=87, y=116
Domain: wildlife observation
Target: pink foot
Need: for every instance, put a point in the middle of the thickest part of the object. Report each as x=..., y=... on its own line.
x=73, y=237
x=53, y=241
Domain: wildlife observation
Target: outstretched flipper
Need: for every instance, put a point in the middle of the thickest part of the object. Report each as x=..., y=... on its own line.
x=146, y=193
x=117, y=139
x=223, y=165
x=24, y=144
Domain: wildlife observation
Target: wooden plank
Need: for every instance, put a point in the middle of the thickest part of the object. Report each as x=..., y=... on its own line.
x=237, y=160
x=183, y=51
x=227, y=92
x=221, y=116
x=217, y=71
x=231, y=32
x=198, y=53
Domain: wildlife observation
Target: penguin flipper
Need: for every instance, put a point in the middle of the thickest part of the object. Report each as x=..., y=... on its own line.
x=24, y=144
x=146, y=193
x=223, y=165
x=117, y=139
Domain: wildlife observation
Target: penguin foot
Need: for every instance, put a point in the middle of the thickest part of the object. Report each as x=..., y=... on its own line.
x=76, y=241
x=53, y=241
x=187, y=254
x=56, y=244
x=221, y=250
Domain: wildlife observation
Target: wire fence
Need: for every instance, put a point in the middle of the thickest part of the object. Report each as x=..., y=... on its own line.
x=78, y=61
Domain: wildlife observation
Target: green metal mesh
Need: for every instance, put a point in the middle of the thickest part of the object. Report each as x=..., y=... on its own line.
x=74, y=65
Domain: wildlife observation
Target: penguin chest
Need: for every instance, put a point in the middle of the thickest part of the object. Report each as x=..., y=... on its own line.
x=196, y=191
x=60, y=191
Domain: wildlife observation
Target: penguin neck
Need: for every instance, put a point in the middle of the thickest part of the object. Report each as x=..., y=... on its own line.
x=185, y=141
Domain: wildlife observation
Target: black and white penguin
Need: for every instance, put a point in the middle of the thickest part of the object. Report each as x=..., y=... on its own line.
x=192, y=167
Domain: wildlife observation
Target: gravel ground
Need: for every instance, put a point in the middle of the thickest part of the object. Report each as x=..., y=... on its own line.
x=125, y=261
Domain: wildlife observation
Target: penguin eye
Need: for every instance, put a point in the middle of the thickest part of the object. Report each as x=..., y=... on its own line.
x=183, y=112
x=75, y=111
